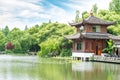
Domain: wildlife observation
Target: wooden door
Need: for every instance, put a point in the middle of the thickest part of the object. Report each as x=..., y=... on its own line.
x=98, y=49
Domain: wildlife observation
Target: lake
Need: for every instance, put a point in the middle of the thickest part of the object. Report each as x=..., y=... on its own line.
x=35, y=68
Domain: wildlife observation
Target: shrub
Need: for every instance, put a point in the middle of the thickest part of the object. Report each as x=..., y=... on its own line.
x=66, y=52
x=9, y=46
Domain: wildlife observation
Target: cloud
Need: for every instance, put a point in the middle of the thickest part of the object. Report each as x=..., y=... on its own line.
x=18, y=13
x=12, y=12
x=19, y=4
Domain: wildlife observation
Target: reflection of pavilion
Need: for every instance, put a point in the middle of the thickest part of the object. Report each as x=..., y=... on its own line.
x=95, y=71
x=83, y=66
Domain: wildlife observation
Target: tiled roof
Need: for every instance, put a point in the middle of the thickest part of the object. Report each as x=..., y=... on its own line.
x=93, y=35
x=92, y=20
x=96, y=35
x=88, y=35
x=74, y=36
x=97, y=21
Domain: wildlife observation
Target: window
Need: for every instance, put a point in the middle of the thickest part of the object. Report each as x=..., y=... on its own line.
x=96, y=29
x=79, y=46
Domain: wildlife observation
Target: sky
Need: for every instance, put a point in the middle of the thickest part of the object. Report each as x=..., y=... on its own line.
x=19, y=13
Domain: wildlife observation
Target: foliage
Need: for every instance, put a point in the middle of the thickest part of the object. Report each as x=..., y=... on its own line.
x=8, y=51
x=6, y=30
x=50, y=47
x=66, y=52
x=110, y=49
x=115, y=6
x=94, y=9
x=51, y=38
x=85, y=14
x=46, y=39
x=111, y=16
x=9, y=46
x=17, y=48
x=2, y=41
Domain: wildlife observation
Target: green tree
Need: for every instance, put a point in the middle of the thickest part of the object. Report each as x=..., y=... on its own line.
x=33, y=30
x=26, y=27
x=6, y=30
x=25, y=42
x=115, y=6
x=52, y=41
x=15, y=34
x=77, y=17
x=111, y=16
x=2, y=41
x=37, y=26
x=85, y=14
x=17, y=47
x=95, y=8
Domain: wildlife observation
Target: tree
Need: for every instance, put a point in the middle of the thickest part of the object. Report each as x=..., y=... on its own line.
x=85, y=14
x=51, y=39
x=50, y=21
x=15, y=34
x=17, y=47
x=111, y=16
x=33, y=30
x=26, y=27
x=115, y=6
x=37, y=26
x=2, y=41
x=5, y=30
x=77, y=18
x=94, y=8
x=27, y=41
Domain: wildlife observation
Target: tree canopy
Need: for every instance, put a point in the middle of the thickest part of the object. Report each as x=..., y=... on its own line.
x=47, y=39
x=115, y=6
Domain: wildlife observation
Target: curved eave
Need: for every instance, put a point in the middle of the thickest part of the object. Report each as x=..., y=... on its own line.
x=76, y=24
x=74, y=36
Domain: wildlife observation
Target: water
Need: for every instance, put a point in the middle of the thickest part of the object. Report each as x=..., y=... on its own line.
x=34, y=68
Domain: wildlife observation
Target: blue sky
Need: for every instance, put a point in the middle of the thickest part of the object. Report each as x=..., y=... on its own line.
x=19, y=13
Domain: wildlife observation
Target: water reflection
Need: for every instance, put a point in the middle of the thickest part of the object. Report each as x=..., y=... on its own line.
x=95, y=71
x=82, y=66
x=34, y=68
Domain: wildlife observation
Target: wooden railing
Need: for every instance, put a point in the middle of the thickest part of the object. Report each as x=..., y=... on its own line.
x=107, y=59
